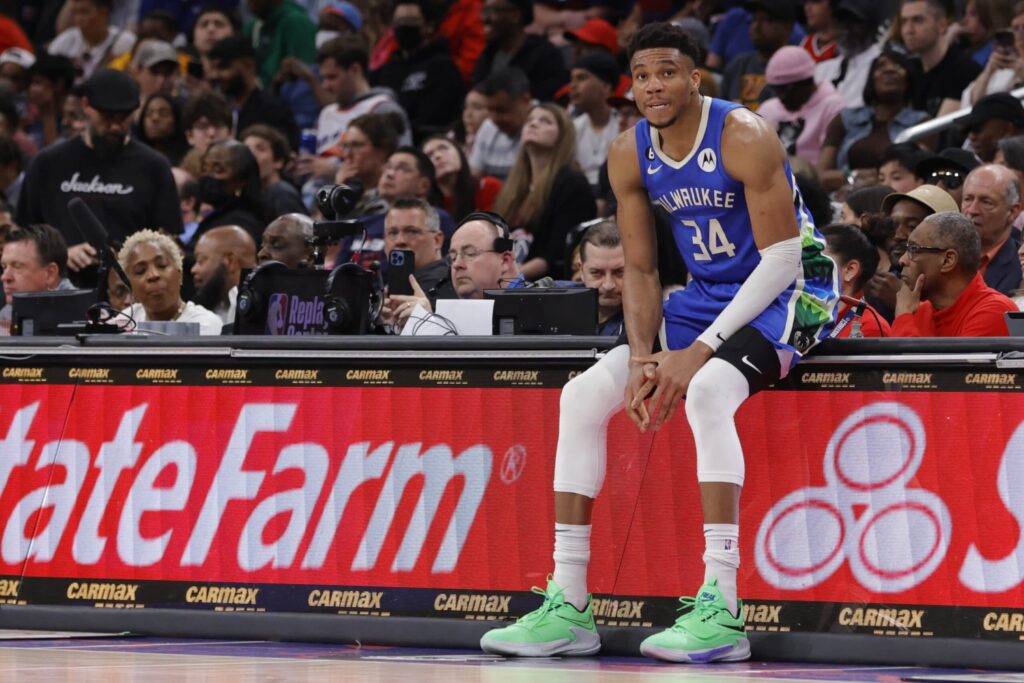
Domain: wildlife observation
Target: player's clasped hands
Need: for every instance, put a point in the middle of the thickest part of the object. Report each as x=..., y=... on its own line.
x=668, y=375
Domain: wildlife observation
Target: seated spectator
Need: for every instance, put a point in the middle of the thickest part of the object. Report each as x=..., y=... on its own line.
x=279, y=29
x=743, y=79
x=948, y=169
x=229, y=184
x=923, y=25
x=881, y=232
x=595, y=35
x=864, y=200
x=12, y=172
x=213, y=24
x=421, y=69
x=595, y=77
x=981, y=19
x=1011, y=155
x=161, y=127
x=856, y=258
x=73, y=120
x=153, y=263
x=233, y=71
x=1004, y=70
x=602, y=267
x=820, y=43
x=992, y=202
x=857, y=137
x=857, y=25
x=287, y=240
x=508, y=45
x=802, y=109
x=906, y=210
x=732, y=36
x=994, y=117
x=34, y=260
x=10, y=125
x=365, y=146
x=474, y=113
x=943, y=295
x=207, y=119
x=461, y=193
x=270, y=148
x=155, y=67
x=896, y=166
x=92, y=41
x=497, y=141
x=545, y=196
x=480, y=258
x=51, y=79
x=221, y=255
x=15, y=65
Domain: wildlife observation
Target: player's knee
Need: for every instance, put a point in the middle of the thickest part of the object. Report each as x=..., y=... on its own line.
x=704, y=400
x=589, y=395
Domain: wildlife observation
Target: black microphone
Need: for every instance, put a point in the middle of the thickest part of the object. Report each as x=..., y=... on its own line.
x=95, y=235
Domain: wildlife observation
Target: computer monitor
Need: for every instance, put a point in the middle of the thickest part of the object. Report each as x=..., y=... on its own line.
x=1015, y=323
x=541, y=310
x=35, y=314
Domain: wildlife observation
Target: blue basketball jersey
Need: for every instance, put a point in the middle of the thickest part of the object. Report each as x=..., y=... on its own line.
x=711, y=226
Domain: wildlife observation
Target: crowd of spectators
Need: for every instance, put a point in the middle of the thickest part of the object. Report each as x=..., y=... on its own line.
x=200, y=132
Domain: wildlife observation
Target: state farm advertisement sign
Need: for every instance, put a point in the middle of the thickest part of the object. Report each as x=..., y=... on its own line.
x=358, y=497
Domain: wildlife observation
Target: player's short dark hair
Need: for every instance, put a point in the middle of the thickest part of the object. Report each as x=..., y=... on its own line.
x=956, y=231
x=279, y=146
x=604, y=234
x=907, y=154
x=49, y=243
x=210, y=105
x=345, y=50
x=232, y=49
x=511, y=80
x=849, y=243
x=664, y=34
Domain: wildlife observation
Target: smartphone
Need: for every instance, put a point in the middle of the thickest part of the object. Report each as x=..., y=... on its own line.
x=401, y=264
x=1003, y=38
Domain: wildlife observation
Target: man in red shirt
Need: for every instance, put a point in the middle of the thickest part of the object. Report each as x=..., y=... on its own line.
x=856, y=259
x=943, y=295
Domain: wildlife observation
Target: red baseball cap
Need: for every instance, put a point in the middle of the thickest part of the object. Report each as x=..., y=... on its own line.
x=598, y=32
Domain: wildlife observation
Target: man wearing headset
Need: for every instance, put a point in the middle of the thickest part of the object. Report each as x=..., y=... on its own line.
x=480, y=257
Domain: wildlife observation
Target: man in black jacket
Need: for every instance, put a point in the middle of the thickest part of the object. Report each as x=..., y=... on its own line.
x=421, y=71
x=126, y=184
x=508, y=45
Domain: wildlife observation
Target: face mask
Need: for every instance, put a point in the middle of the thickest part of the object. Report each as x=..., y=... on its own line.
x=232, y=88
x=213, y=192
x=105, y=146
x=324, y=36
x=408, y=37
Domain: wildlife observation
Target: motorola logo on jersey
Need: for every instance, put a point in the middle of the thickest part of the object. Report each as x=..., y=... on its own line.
x=707, y=160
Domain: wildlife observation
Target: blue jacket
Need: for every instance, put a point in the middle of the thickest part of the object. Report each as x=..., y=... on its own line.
x=858, y=123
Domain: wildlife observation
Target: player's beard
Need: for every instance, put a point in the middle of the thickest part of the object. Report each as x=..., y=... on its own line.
x=661, y=126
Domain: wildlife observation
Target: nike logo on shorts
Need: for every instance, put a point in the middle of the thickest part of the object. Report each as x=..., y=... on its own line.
x=746, y=361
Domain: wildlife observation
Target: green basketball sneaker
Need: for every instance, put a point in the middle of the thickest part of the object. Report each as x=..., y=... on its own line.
x=554, y=628
x=706, y=633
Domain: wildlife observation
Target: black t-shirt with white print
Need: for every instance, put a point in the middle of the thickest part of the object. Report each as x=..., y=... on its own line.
x=132, y=191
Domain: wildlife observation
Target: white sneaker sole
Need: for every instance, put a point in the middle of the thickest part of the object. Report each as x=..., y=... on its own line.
x=586, y=643
x=738, y=652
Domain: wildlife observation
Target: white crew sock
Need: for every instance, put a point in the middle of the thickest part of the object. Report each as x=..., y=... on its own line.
x=572, y=555
x=722, y=559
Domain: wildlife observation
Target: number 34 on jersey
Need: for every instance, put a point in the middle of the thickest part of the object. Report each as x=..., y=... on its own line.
x=710, y=241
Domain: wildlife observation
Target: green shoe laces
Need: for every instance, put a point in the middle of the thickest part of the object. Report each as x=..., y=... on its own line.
x=702, y=610
x=552, y=601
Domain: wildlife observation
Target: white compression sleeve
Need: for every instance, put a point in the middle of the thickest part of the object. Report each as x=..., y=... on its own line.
x=779, y=267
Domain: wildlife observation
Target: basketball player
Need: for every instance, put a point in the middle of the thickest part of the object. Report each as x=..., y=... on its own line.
x=762, y=294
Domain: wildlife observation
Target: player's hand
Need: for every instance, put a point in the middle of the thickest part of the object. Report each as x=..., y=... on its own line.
x=640, y=375
x=81, y=256
x=884, y=287
x=671, y=376
x=909, y=298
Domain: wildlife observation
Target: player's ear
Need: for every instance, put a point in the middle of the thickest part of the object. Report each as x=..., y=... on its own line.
x=695, y=79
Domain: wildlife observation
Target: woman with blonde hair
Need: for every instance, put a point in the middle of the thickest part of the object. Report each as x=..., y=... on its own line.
x=545, y=196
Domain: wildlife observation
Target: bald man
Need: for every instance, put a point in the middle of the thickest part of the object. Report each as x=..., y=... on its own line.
x=221, y=255
x=286, y=240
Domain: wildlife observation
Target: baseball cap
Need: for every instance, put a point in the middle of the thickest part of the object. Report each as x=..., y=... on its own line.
x=857, y=9
x=19, y=56
x=153, y=52
x=781, y=10
x=601, y=65
x=598, y=32
x=623, y=92
x=789, y=64
x=345, y=10
x=1000, y=105
x=951, y=157
x=933, y=198
x=110, y=90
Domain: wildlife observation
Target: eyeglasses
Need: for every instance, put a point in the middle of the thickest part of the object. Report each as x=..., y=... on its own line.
x=950, y=178
x=408, y=232
x=469, y=254
x=349, y=146
x=915, y=250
